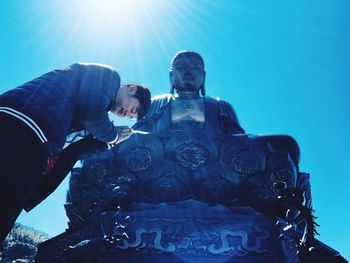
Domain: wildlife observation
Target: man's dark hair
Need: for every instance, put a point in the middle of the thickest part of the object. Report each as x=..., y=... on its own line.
x=144, y=96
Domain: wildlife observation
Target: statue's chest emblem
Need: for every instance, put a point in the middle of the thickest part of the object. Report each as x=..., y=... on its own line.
x=191, y=156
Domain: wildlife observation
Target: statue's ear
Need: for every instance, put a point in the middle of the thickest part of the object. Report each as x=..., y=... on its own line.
x=202, y=88
x=171, y=82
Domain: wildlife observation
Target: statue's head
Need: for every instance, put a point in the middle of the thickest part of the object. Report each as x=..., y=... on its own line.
x=187, y=72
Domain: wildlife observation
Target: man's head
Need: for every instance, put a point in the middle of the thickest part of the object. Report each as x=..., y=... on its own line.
x=187, y=72
x=132, y=100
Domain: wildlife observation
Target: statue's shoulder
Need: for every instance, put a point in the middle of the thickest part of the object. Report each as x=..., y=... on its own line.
x=226, y=114
x=223, y=105
x=160, y=101
x=225, y=108
x=163, y=97
x=215, y=100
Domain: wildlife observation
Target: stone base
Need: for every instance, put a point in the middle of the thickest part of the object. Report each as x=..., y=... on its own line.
x=187, y=231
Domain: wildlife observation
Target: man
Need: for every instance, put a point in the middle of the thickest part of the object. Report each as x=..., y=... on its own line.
x=187, y=109
x=40, y=116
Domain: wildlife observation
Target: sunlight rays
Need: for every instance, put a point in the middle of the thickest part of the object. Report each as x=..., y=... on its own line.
x=108, y=25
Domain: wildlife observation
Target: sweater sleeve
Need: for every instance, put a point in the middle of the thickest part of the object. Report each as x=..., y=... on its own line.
x=98, y=89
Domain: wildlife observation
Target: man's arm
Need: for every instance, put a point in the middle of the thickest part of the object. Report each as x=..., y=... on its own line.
x=98, y=90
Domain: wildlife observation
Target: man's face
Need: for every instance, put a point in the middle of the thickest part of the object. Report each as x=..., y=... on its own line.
x=187, y=73
x=126, y=104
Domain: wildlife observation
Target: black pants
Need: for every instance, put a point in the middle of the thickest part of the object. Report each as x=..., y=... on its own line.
x=23, y=161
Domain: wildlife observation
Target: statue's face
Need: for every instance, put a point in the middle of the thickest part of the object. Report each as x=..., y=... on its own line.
x=187, y=73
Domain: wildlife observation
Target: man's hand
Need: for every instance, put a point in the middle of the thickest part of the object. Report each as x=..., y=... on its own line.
x=124, y=132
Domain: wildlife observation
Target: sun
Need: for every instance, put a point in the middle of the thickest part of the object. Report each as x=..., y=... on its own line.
x=123, y=5
x=92, y=21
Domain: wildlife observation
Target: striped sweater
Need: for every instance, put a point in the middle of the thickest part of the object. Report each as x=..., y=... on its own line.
x=64, y=101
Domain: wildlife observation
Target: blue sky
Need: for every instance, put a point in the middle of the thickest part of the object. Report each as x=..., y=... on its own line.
x=283, y=65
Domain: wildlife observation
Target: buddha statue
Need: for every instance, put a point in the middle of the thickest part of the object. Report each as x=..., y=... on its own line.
x=189, y=186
